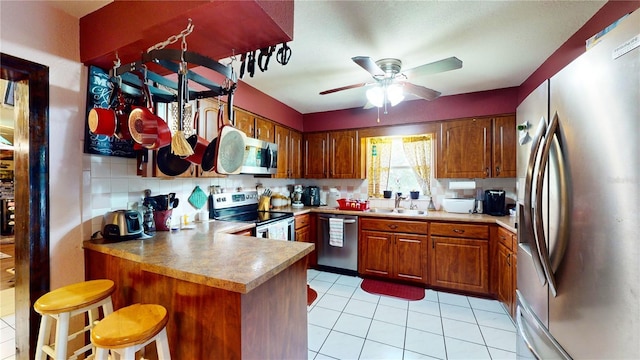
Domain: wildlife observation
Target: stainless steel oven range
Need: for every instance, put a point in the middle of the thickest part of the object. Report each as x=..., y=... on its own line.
x=243, y=207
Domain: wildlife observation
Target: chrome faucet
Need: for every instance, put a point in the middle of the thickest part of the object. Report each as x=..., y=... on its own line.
x=398, y=199
x=413, y=206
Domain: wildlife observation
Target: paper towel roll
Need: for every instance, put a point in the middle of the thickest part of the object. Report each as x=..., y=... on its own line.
x=462, y=185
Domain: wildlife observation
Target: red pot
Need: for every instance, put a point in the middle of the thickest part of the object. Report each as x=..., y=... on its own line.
x=199, y=146
x=102, y=121
x=143, y=126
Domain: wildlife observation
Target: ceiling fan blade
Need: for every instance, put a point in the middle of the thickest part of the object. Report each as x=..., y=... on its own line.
x=435, y=67
x=420, y=91
x=344, y=88
x=368, y=64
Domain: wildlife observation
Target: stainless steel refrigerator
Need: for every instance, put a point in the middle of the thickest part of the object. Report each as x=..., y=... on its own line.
x=578, y=284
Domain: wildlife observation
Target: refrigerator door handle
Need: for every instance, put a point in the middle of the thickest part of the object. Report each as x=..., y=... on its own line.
x=528, y=228
x=541, y=242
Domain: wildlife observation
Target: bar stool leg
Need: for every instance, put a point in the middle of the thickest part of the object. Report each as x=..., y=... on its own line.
x=102, y=354
x=44, y=333
x=162, y=345
x=62, y=334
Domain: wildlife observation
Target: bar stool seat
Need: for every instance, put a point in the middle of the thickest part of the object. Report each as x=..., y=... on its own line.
x=64, y=303
x=130, y=329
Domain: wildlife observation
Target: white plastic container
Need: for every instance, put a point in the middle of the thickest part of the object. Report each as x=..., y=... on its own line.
x=332, y=198
x=460, y=206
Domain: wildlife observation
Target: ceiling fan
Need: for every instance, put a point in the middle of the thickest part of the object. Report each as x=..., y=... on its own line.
x=392, y=81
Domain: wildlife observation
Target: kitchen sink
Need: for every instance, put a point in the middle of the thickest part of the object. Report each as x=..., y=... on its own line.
x=411, y=212
x=398, y=211
x=382, y=210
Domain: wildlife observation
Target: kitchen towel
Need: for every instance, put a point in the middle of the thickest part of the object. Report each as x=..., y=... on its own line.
x=336, y=232
x=278, y=231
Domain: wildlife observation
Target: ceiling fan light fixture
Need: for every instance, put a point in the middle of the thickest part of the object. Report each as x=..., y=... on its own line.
x=395, y=94
x=375, y=96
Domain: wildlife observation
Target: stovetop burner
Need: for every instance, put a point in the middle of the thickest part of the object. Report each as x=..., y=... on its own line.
x=242, y=207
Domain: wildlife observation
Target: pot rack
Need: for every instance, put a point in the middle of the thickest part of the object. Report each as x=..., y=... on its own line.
x=134, y=78
x=170, y=59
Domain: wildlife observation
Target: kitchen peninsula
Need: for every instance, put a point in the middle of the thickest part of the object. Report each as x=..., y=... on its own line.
x=228, y=296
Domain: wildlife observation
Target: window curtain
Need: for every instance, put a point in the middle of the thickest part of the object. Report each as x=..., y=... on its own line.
x=379, y=160
x=417, y=150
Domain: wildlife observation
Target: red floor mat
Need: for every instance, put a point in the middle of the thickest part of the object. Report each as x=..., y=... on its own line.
x=311, y=295
x=406, y=292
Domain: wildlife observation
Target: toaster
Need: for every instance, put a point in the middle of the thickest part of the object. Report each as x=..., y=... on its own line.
x=122, y=225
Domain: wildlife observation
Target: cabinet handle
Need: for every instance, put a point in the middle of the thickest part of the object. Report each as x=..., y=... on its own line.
x=433, y=243
x=497, y=170
x=458, y=231
x=509, y=259
x=486, y=170
x=392, y=226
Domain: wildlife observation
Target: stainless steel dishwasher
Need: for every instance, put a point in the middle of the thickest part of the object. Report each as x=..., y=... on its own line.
x=344, y=257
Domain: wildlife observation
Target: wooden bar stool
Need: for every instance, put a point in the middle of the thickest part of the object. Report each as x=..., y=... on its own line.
x=130, y=329
x=64, y=303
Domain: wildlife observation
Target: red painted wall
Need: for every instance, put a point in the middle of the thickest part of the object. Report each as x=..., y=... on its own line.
x=575, y=45
x=446, y=107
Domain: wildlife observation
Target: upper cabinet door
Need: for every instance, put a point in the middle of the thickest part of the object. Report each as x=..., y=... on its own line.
x=504, y=146
x=282, y=140
x=315, y=156
x=245, y=122
x=464, y=149
x=265, y=130
x=295, y=155
x=343, y=154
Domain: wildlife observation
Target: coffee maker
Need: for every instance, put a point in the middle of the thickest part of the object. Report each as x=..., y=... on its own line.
x=494, y=202
x=311, y=196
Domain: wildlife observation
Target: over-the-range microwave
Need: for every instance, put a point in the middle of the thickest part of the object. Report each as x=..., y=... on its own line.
x=261, y=157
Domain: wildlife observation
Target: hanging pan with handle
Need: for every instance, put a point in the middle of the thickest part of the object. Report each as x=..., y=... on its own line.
x=225, y=154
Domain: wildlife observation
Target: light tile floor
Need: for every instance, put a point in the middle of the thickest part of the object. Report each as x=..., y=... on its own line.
x=346, y=322
x=8, y=337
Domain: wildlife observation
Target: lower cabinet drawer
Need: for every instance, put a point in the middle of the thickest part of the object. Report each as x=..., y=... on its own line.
x=473, y=231
x=396, y=226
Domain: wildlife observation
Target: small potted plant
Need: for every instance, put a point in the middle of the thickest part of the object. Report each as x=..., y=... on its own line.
x=415, y=194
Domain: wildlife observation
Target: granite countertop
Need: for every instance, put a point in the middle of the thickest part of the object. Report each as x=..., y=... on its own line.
x=508, y=222
x=208, y=254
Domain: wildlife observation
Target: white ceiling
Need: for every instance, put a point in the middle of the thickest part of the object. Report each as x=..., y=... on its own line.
x=500, y=43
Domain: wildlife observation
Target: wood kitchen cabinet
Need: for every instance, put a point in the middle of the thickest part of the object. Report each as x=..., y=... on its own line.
x=303, y=233
x=289, y=153
x=505, y=264
x=477, y=148
x=393, y=249
x=254, y=126
x=459, y=256
x=334, y=155
x=245, y=122
x=504, y=147
x=265, y=130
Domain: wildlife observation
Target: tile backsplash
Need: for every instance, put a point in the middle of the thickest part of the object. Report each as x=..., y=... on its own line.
x=111, y=183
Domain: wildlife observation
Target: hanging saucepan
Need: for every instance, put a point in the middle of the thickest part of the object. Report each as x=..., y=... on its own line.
x=199, y=146
x=209, y=155
x=170, y=164
x=103, y=121
x=143, y=124
x=230, y=151
x=164, y=135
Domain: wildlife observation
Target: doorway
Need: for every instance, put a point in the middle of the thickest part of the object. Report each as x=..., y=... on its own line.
x=31, y=173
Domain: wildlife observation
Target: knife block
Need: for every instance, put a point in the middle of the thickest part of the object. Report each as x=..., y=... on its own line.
x=264, y=202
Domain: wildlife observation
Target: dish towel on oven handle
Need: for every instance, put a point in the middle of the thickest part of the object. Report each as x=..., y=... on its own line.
x=278, y=231
x=336, y=232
